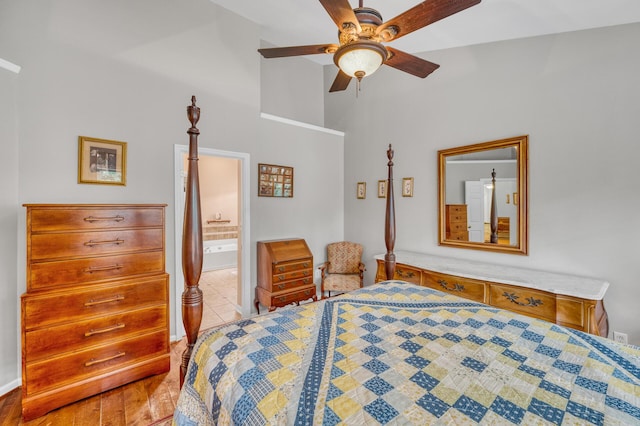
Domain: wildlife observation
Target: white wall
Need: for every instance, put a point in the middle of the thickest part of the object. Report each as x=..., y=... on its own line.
x=292, y=87
x=126, y=71
x=576, y=95
x=9, y=210
x=315, y=212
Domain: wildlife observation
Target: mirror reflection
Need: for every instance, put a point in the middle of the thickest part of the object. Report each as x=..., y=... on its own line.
x=483, y=196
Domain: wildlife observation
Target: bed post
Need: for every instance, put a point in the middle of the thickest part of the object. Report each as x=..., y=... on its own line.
x=494, y=210
x=191, y=244
x=390, y=222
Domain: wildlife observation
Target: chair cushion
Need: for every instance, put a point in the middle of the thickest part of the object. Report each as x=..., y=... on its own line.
x=344, y=257
x=339, y=282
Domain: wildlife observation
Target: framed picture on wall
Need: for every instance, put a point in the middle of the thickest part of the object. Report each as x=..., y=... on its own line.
x=382, y=189
x=407, y=187
x=361, y=190
x=275, y=181
x=102, y=161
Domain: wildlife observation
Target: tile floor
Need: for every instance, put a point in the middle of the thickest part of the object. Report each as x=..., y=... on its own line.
x=219, y=290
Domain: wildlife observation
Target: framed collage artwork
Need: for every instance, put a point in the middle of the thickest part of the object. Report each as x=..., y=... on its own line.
x=275, y=181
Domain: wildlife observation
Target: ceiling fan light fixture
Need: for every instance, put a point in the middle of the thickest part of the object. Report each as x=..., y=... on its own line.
x=361, y=58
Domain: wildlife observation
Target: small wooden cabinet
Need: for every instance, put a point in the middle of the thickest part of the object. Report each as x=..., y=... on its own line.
x=456, y=222
x=285, y=273
x=581, y=310
x=96, y=312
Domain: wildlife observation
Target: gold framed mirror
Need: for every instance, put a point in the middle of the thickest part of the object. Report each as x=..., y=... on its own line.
x=482, y=196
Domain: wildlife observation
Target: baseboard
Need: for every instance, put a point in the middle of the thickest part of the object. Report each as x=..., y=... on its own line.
x=6, y=388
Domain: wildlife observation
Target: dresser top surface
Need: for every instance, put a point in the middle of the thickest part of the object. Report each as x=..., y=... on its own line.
x=564, y=284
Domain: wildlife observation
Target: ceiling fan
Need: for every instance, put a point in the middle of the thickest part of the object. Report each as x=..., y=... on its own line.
x=361, y=32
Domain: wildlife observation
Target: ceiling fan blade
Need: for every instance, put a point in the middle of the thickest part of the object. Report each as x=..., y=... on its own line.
x=281, y=52
x=411, y=64
x=421, y=15
x=341, y=82
x=341, y=12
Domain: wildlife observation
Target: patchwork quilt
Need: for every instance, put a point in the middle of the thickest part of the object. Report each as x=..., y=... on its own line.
x=397, y=353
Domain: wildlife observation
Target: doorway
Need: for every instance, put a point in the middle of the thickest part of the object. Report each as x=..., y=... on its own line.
x=225, y=215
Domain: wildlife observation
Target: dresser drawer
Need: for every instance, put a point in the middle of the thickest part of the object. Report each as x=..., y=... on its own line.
x=458, y=218
x=287, y=276
x=458, y=286
x=280, y=268
x=284, y=298
x=456, y=209
x=406, y=273
x=75, y=366
x=458, y=236
x=66, y=218
x=75, y=336
x=57, y=273
x=530, y=302
x=57, y=245
x=457, y=227
x=286, y=285
x=80, y=304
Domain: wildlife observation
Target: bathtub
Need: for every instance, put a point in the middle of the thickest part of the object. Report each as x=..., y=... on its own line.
x=220, y=254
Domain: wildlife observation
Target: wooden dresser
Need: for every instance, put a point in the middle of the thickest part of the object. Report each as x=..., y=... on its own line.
x=570, y=301
x=456, y=222
x=285, y=273
x=96, y=311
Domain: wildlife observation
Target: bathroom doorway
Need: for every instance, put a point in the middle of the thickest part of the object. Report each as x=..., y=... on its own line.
x=224, y=199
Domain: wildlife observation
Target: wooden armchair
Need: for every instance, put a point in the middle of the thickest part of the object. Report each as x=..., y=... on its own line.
x=343, y=271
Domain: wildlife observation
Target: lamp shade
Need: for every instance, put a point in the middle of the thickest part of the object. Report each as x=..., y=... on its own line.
x=361, y=58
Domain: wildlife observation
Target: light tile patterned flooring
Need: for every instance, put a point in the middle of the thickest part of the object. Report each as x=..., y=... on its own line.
x=219, y=290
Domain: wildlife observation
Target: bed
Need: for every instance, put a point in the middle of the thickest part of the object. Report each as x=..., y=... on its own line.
x=398, y=353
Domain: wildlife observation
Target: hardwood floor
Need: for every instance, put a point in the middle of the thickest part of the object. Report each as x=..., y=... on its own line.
x=149, y=401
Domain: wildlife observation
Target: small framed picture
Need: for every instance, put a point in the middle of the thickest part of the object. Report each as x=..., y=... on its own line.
x=102, y=161
x=382, y=189
x=361, y=190
x=407, y=187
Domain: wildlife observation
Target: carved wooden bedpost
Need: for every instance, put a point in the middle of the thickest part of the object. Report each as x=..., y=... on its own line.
x=191, y=244
x=390, y=222
x=494, y=210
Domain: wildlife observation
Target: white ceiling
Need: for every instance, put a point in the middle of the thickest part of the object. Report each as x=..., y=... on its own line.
x=301, y=22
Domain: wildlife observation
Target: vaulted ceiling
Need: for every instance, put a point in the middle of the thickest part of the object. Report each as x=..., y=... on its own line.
x=301, y=22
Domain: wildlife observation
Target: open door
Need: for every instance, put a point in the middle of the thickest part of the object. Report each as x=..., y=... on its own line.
x=474, y=199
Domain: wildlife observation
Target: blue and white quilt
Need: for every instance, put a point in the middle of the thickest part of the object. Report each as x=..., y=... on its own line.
x=397, y=353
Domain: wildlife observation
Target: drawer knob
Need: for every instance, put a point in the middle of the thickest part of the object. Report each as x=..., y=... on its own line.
x=532, y=302
x=281, y=277
x=306, y=280
x=282, y=298
x=92, y=243
x=94, y=361
x=305, y=264
x=92, y=302
x=281, y=286
x=456, y=286
x=93, y=332
x=93, y=269
x=280, y=268
x=305, y=273
x=117, y=218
